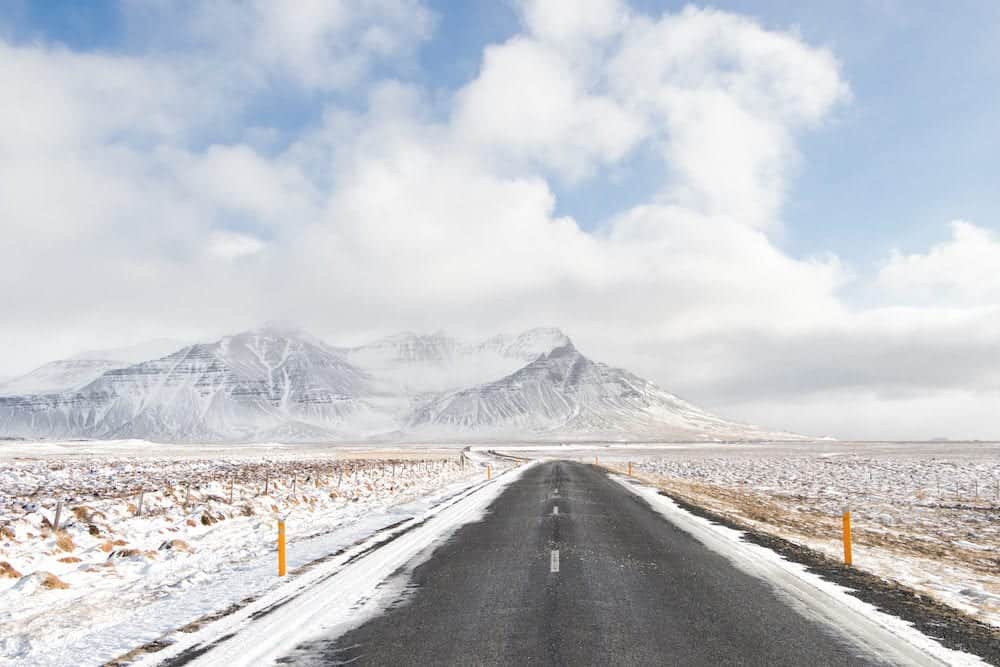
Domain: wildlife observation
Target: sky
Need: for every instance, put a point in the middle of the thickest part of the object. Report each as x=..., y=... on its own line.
x=783, y=211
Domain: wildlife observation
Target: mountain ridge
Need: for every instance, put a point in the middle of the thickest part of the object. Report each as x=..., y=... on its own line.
x=284, y=384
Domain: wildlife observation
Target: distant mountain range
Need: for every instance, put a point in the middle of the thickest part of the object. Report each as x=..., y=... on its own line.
x=280, y=384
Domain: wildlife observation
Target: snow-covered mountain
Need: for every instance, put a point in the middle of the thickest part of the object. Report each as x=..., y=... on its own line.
x=62, y=375
x=277, y=384
x=240, y=387
x=563, y=394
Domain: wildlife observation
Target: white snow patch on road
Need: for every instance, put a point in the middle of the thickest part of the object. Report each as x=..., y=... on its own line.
x=883, y=635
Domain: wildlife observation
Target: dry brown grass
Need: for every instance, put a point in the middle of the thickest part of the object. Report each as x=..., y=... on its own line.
x=7, y=571
x=51, y=581
x=784, y=513
x=176, y=545
x=7, y=533
x=64, y=541
x=87, y=514
x=70, y=559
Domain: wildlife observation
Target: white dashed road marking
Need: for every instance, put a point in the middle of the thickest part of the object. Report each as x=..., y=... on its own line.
x=555, y=509
x=554, y=562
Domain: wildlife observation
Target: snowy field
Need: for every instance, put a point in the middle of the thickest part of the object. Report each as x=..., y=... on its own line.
x=931, y=522
x=146, y=544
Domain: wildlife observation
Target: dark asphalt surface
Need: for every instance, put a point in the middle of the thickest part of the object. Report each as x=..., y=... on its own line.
x=631, y=590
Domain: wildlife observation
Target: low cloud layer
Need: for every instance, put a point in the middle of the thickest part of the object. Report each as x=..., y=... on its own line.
x=144, y=194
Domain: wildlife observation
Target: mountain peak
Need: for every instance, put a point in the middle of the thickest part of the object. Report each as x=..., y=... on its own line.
x=565, y=351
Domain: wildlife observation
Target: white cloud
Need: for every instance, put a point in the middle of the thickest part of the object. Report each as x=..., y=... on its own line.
x=722, y=96
x=238, y=180
x=568, y=22
x=232, y=245
x=317, y=45
x=530, y=102
x=728, y=97
x=961, y=270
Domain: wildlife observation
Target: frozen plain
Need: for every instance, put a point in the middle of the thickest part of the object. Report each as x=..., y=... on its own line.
x=109, y=580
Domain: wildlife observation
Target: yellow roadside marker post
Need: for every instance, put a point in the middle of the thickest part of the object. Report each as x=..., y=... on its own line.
x=629, y=468
x=847, y=536
x=489, y=472
x=281, y=547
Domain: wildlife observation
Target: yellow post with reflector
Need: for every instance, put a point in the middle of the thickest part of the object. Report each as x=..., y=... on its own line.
x=629, y=468
x=489, y=472
x=281, y=547
x=847, y=537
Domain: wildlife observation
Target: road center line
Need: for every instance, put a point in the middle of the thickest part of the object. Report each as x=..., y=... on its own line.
x=554, y=561
x=555, y=509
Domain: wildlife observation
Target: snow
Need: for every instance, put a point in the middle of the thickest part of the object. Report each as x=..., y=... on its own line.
x=885, y=636
x=931, y=523
x=132, y=578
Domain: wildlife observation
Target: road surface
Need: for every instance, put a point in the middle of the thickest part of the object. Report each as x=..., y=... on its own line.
x=570, y=568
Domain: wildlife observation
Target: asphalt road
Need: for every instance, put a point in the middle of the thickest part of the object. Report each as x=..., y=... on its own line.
x=630, y=589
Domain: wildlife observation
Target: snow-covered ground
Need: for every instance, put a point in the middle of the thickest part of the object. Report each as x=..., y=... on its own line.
x=929, y=522
x=111, y=578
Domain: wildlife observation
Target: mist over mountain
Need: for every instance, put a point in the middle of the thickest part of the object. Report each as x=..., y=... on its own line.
x=413, y=363
x=59, y=376
x=281, y=384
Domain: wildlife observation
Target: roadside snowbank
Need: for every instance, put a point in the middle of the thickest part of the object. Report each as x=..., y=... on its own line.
x=111, y=578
